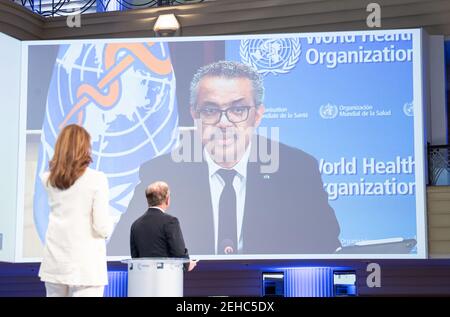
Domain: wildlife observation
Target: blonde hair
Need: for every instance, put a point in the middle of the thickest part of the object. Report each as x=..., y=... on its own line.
x=157, y=193
x=71, y=158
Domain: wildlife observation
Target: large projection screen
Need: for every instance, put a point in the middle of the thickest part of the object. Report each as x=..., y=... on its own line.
x=327, y=149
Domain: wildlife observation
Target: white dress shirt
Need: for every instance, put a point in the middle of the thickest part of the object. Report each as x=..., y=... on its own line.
x=79, y=224
x=216, y=185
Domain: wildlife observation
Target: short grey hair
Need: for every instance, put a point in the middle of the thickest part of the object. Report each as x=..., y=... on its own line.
x=229, y=69
x=157, y=193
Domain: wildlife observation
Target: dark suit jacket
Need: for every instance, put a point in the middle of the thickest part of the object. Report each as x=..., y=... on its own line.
x=157, y=234
x=286, y=212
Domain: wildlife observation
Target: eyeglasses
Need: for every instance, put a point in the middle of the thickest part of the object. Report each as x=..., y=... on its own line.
x=212, y=115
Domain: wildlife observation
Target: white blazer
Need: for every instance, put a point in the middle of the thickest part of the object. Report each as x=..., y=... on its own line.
x=79, y=224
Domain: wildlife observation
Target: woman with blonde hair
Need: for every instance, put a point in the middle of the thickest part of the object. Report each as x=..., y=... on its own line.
x=74, y=262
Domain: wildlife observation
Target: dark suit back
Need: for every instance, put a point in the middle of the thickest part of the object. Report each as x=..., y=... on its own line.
x=157, y=234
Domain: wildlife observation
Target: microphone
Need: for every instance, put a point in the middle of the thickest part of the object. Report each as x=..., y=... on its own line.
x=227, y=246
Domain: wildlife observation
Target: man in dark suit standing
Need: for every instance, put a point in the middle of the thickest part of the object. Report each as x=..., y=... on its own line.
x=155, y=233
x=229, y=199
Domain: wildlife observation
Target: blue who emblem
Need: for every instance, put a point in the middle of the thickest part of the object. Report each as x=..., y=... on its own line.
x=271, y=56
x=124, y=95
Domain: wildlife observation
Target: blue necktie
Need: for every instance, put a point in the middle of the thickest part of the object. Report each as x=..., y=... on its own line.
x=227, y=235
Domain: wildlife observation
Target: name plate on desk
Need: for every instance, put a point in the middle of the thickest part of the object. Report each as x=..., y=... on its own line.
x=383, y=246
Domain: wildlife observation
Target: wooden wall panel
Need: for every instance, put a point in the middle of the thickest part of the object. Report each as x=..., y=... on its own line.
x=438, y=210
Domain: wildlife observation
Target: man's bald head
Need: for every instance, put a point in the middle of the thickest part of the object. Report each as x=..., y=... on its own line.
x=157, y=194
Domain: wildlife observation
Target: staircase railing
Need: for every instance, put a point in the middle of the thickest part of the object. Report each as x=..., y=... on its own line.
x=438, y=164
x=50, y=8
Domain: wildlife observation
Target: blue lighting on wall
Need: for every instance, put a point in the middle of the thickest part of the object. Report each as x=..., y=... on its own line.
x=447, y=52
x=308, y=282
x=298, y=282
x=117, y=284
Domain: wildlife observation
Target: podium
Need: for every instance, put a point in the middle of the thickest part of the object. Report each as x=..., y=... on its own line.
x=155, y=277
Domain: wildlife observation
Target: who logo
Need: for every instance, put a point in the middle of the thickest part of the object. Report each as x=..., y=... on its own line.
x=124, y=95
x=328, y=111
x=271, y=56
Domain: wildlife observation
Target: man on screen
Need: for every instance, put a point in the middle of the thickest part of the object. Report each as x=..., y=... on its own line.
x=227, y=202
